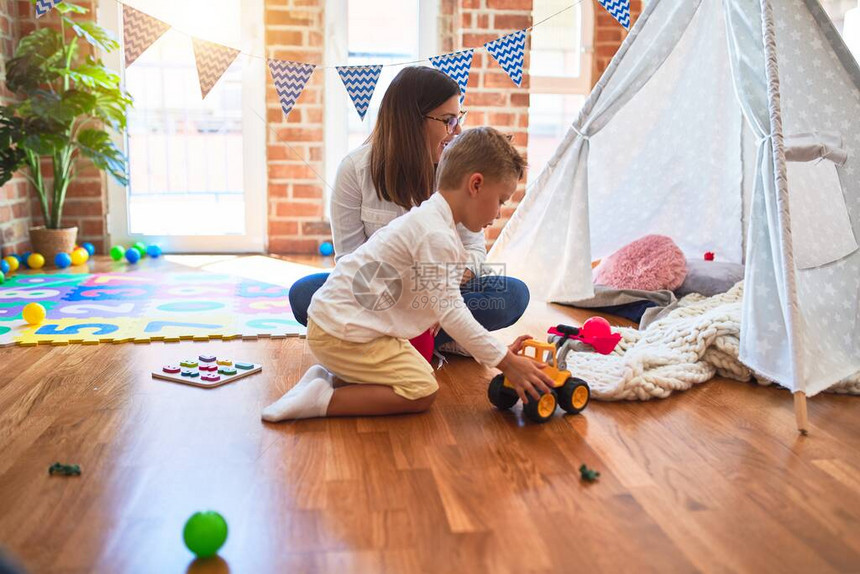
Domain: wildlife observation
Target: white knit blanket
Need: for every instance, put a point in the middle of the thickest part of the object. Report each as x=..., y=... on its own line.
x=690, y=345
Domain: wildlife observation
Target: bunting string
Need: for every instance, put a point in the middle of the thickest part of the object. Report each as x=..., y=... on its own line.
x=141, y=30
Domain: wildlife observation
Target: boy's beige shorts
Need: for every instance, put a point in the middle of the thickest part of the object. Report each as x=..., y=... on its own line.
x=383, y=361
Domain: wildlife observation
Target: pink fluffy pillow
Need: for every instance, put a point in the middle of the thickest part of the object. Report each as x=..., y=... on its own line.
x=651, y=263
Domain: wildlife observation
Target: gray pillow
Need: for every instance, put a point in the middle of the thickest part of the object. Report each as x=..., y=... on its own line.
x=710, y=277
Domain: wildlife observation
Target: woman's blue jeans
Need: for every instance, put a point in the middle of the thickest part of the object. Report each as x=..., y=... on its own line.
x=495, y=301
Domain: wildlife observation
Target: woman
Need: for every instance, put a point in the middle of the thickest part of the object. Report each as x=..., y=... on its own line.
x=394, y=172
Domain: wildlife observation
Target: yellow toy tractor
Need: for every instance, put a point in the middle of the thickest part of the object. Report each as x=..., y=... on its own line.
x=568, y=391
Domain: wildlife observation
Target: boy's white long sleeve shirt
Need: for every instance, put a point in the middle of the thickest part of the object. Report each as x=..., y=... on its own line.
x=401, y=282
x=357, y=212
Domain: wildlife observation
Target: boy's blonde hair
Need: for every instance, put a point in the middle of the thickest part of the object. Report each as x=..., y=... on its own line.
x=481, y=150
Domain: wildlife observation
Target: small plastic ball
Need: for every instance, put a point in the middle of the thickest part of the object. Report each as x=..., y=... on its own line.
x=34, y=313
x=12, y=262
x=4, y=266
x=326, y=248
x=80, y=256
x=23, y=259
x=205, y=533
x=62, y=260
x=141, y=248
x=132, y=254
x=117, y=252
x=153, y=251
x=2, y=277
x=91, y=249
x=35, y=261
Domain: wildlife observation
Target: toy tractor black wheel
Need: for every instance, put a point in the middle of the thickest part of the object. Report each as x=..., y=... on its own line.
x=501, y=397
x=541, y=410
x=574, y=395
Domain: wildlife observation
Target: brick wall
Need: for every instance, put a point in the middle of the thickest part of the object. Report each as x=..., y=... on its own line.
x=491, y=96
x=86, y=198
x=14, y=207
x=608, y=36
x=295, y=144
x=294, y=31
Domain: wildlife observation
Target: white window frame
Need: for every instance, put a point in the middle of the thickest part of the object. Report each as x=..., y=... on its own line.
x=582, y=83
x=255, y=179
x=338, y=104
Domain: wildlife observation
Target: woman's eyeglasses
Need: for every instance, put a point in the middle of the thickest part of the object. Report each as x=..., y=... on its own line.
x=452, y=122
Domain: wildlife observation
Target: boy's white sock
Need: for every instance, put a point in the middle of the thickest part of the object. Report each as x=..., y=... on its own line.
x=309, y=398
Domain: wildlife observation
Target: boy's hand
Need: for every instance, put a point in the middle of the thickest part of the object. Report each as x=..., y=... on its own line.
x=526, y=376
x=517, y=345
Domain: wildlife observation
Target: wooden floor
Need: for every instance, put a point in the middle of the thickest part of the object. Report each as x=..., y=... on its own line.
x=715, y=479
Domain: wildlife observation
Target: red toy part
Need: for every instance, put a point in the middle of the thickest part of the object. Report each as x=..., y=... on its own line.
x=425, y=344
x=709, y=256
x=596, y=332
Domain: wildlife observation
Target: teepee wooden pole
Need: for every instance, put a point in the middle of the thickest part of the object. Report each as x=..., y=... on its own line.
x=800, y=412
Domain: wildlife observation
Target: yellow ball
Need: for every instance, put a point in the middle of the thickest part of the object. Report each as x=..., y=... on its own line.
x=13, y=263
x=34, y=313
x=80, y=256
x=36, y=261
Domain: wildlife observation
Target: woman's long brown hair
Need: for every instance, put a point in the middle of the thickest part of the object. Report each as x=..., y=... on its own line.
x=401, y=166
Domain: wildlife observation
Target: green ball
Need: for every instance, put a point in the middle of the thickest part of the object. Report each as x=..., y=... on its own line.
x=205, y=533
x=140, y=246
x=2, y=277
x=117, y=252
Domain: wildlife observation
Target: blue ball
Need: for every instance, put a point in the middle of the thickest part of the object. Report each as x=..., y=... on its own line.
x=62, y=260
x=132, y=254
x=4, y=267
x=91, y=249
x=23, y=259
x=326, y=248
x=153, y=251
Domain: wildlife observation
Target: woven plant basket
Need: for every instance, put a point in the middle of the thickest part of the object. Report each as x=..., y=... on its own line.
x=49, y=242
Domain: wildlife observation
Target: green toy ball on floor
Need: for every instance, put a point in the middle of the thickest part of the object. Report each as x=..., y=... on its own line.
x=62, y=260
x=117, y=252
x=205, y=533
x=141, y=248
x=2, y=277
x=33, y=313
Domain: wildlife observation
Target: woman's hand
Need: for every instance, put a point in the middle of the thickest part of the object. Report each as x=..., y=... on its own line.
x=467, y=276
x=526, y=375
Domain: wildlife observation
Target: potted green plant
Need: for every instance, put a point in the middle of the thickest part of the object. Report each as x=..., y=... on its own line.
x=68, y=102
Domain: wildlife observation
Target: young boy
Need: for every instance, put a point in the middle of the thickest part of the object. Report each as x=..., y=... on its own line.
x=404, y=280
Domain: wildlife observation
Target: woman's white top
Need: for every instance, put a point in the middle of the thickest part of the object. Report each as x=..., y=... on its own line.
x=357, y=212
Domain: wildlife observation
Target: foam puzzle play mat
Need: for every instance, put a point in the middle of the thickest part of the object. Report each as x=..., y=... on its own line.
x=142, y=307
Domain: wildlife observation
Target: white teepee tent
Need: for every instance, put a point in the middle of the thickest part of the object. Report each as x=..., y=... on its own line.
x=731, y=126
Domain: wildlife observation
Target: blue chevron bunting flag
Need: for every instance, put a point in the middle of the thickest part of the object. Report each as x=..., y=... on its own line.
x=139, y=31
x=360, y=81
x=509, y=52
x=45, y=6
x=290, y=79
x=620, y=10
x=212, y=61
x=457, y=65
